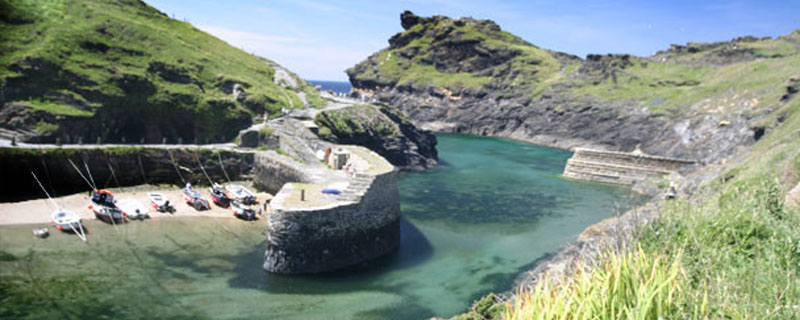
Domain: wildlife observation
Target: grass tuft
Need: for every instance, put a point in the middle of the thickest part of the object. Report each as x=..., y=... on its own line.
x=631, y=285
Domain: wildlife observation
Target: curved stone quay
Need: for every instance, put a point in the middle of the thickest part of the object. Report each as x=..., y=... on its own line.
x=309, y=231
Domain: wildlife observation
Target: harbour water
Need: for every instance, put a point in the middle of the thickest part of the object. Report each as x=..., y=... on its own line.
x=491, y=211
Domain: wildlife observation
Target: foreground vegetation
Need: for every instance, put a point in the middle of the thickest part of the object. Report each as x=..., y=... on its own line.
x=736, y=256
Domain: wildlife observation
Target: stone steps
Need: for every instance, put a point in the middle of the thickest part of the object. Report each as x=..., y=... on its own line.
x=593, y=175
x=619, y=168
x=357, y=188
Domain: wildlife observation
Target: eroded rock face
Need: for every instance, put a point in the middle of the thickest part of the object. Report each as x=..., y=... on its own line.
x=383, y=130
x=468, y=76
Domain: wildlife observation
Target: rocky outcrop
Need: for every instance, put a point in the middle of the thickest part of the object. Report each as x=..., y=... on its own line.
x=383, y=130
x=468, y=76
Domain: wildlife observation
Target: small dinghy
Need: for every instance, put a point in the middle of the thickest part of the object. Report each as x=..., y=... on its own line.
x=133, y=208
x=243, y=211
x=159, y=202
x=108, y=214
x=41, y=232
x=69, y=222
x=219, y=196
x=240, y=193
x=194, y=199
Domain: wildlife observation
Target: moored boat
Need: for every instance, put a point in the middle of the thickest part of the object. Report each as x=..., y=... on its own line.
x=108, y=214
x=242, y=210
x=62, y=219
x=102, y=197
x=41, y=232
x=240, y=193
x=218, y=195
x=66, y=221
x=160, y=202
x=194, y=199
x=133, y=208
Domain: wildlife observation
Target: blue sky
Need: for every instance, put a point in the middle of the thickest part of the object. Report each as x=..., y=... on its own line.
x=320, y=39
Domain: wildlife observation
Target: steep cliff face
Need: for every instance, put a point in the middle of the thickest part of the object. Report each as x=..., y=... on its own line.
x=121, y=70
x=695, y=101
x=383, y=130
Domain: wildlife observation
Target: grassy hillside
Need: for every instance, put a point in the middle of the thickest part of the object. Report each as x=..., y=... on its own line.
x=454, y=54
x=469, y=57
x=121, y=69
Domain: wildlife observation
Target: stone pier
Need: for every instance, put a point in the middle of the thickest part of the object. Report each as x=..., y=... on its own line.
x=309, y=231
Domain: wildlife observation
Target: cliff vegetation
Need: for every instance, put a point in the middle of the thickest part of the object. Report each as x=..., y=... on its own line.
x=120, y=69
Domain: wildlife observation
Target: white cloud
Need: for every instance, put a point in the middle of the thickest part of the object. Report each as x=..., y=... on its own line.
x=305, y=56
x=235, y=36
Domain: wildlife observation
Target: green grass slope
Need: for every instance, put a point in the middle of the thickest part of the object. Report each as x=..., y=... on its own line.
x=470, y=57
x=121, y=69
x=454, y=54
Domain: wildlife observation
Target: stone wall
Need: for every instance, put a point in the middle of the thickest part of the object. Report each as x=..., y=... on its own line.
x=358, y=225
x=272, y=171
x=619, y=167
x=130, y=165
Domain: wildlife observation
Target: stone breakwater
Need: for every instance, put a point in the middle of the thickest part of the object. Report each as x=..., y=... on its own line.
x=620, y=167
x=312, y=232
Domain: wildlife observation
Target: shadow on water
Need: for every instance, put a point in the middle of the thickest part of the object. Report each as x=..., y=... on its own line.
x=414, y=249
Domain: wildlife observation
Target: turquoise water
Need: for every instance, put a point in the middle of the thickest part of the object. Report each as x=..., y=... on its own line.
x=491, y=211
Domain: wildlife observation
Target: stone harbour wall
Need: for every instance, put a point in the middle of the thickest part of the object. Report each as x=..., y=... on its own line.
x=272, y=171
x=619, y=167
x=361, y=224
x=130, y=165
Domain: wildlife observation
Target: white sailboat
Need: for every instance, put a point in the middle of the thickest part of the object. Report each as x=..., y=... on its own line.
x=62, y=219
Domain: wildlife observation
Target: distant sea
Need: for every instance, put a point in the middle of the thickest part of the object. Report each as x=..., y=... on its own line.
x=335, y=86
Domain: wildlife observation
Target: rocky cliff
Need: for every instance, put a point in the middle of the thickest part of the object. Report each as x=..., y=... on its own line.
x=383, y=130
x=699, y=101
x=120, y=70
